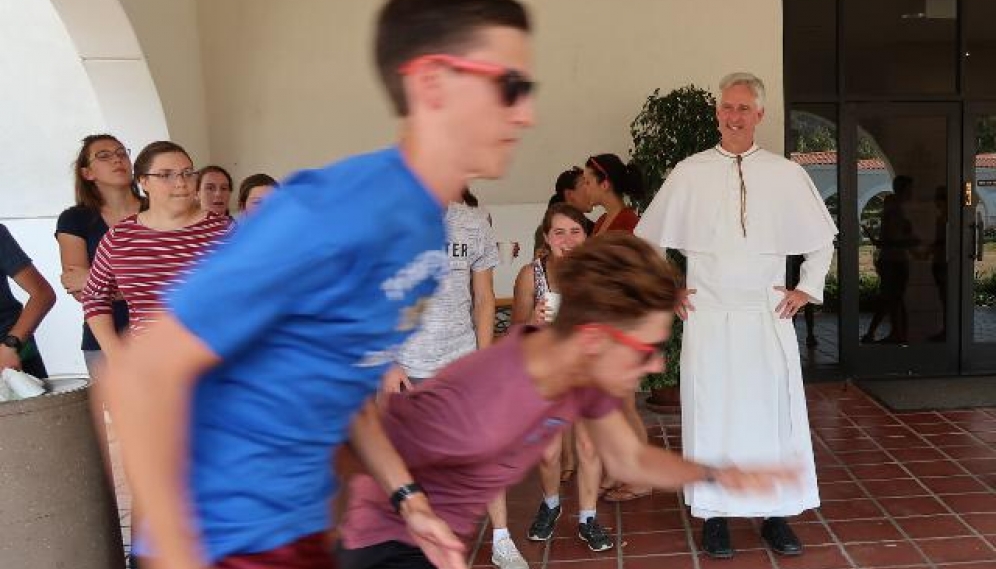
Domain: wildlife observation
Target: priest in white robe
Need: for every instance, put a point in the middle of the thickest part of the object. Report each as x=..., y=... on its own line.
x=736, y=211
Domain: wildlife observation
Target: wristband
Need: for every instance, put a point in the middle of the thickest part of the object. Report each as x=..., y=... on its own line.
x=710, y=475
x=403, y=493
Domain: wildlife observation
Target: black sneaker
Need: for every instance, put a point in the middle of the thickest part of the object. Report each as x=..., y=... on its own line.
x=542, y=526
x=595, y=535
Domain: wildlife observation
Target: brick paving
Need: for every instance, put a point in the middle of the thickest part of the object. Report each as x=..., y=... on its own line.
x=900, y=491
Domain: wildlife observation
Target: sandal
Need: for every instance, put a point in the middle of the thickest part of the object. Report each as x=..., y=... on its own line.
x=625, y=493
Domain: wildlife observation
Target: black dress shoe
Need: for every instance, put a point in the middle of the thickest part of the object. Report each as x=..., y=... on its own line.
x=716, y=538
x=780, y=537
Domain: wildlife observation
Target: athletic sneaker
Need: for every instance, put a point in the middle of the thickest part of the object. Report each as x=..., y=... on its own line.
x=505, y=555
x=546, y=519
x=595, y=535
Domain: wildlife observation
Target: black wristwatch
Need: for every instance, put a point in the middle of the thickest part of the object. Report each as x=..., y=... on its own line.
x=12, y=341
x=403, y=493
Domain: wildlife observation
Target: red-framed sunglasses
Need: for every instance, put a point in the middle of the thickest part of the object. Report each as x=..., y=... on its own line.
x=647, y=351
x=514, y=86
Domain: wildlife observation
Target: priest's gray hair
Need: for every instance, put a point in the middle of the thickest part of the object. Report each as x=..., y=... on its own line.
x=752, y=82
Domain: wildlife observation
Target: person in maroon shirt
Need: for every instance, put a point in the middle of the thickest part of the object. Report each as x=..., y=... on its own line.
x=485, y=420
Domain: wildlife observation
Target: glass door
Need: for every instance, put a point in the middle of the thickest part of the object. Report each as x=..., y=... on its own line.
x=978, y=252
x=901, y=178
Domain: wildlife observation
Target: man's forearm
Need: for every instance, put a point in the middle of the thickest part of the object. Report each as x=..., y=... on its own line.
x=484, y=322
x=375, y=451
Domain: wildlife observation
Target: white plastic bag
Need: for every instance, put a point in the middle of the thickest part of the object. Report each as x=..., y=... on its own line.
x=22, y=385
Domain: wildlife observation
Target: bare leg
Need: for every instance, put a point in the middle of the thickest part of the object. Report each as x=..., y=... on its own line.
x=626, y=492
x=498, y=513
x=549, y=468
x=568, y=458
x=589, y=469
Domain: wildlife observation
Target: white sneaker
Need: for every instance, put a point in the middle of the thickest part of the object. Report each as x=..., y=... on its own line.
x=505, y=555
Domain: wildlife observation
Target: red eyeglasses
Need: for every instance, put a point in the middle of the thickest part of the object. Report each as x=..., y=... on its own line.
x=647, y=351
x=514, y=86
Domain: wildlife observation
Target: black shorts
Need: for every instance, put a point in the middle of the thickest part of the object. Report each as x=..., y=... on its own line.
x=387, y=555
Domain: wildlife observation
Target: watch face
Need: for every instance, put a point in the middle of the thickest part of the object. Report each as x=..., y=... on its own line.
x=12, y=342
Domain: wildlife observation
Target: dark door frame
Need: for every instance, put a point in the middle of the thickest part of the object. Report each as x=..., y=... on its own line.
x=976, y=357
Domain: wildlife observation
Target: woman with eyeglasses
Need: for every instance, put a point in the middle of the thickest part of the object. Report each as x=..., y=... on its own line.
x=214, y=189
x=535, y=301
x=146, y=253
x=106, y=193
x=608, y=181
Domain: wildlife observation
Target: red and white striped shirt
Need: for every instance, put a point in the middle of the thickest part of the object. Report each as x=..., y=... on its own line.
x=141, y=263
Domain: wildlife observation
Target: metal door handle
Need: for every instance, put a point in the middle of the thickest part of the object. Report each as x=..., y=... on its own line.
x=968, y=194
x=980, y=239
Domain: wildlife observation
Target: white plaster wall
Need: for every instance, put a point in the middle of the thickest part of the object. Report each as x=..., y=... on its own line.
x=290, y=84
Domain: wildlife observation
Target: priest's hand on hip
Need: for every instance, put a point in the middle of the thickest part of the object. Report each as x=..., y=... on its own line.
x=792, y=302
x=684, y=305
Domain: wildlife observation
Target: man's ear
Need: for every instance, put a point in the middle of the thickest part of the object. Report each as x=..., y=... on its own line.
x=424, y=87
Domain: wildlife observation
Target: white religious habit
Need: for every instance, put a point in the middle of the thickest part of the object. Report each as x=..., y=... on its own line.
x=736, y=218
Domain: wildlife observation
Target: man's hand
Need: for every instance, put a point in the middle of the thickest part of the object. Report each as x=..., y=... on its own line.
x=792, y=302
x=684, y=305
x=443, y=548
x=395, y=380
x=9, y=358
x=755, y=481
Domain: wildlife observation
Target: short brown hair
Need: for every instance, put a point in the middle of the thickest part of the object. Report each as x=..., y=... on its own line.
x=144, y=160
x=254, y=181
x=614, y=278
x=407, y=29
x=565, y=210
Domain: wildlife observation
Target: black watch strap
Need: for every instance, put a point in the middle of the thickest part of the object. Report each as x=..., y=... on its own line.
x=403, y=493
x=12, y=341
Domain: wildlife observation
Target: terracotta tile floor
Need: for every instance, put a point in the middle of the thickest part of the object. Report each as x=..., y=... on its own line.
x=899, y=490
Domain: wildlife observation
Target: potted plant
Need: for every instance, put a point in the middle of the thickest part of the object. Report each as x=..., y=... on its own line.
x=669, y=129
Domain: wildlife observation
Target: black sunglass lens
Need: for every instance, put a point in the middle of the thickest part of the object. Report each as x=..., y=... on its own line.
x=514, y=87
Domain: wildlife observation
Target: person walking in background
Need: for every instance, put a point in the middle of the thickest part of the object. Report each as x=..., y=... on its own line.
x=736, y=212
x=18, y=322
x=106, y=193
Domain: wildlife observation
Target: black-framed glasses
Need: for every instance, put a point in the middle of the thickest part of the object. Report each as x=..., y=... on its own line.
x=108, y=155
x=172, y=176
x=514, y=86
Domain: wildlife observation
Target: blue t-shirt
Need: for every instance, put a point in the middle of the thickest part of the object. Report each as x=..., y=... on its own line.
x=306, y=306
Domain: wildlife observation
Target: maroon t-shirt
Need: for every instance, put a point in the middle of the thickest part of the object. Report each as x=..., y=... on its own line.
x=479, y=427
x=625, y=220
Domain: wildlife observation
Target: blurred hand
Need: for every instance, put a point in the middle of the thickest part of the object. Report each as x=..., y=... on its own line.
x=443, y=548
x=395, y=380
x=9, y=358
x=761, y=481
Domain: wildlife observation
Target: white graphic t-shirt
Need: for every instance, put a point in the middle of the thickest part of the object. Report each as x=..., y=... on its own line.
x=447, y=330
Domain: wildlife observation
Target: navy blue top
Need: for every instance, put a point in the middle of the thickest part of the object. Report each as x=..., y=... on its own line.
x=89, y=226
